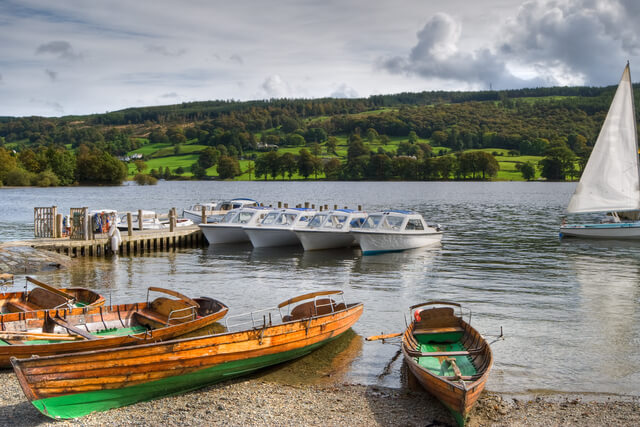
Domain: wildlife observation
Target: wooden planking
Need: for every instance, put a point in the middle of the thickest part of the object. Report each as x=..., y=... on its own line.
x=118, y=368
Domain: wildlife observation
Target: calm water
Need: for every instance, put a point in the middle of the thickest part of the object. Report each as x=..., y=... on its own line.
x=570, y=309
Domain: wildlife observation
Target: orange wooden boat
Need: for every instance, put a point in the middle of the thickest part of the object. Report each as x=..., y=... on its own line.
x=45, y=297
x=450, y=359
x=77, y=384
x=69, y=330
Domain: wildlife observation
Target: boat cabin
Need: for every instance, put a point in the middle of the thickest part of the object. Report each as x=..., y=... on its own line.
x=394, y=221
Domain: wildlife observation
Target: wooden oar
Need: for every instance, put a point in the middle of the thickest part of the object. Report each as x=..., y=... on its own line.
x=29, y=337
x=51, y=288
x=39, y=334
x=383, y=337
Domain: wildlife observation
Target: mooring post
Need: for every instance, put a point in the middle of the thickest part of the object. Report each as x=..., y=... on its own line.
x=58, y=226
x=360, y=207
x=286, y=206
x=129, y=224
x=171, y=221
x=140, y=220
x=204, y=215
x=280, y=204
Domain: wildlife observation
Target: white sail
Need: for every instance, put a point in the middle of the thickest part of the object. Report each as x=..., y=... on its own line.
x=611, y=180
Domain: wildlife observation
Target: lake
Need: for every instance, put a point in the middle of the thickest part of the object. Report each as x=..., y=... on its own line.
x=570, y=309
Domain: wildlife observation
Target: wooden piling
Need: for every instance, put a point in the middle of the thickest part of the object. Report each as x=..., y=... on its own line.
x=129, y=224
x=140, y=220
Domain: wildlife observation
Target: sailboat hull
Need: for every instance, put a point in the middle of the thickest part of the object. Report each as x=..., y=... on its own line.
x=620, y=230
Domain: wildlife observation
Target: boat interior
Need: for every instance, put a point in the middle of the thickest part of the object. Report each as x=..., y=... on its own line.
x=95, y=323
x=443, y=346
x=46, y=297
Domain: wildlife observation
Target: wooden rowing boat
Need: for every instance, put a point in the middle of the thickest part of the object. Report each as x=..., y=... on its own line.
x=450, y=359
x=75, y=385
x=68, y=330
x=45, y=297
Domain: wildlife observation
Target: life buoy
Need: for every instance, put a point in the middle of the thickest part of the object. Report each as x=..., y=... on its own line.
x=416, y=315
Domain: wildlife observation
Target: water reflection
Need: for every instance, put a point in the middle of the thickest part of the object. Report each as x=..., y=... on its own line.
x=608, y=306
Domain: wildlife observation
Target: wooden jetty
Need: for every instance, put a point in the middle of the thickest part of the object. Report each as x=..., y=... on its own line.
x=137, y=243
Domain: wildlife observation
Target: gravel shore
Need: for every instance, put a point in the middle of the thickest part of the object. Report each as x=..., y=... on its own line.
x=255, y=401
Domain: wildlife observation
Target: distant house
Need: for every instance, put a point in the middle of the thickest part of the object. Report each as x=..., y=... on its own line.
x=266, y=147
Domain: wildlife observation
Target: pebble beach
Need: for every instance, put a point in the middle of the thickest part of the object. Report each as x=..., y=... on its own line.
x=258, y=402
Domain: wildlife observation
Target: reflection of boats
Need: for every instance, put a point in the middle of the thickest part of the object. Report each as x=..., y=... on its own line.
x=394, y=230
x=230, y=228
x=331, y=229
x=277, y=227
x=610, y=182
x=47, y=297
x=75, y=385
x=450, y=359
x=61, y=331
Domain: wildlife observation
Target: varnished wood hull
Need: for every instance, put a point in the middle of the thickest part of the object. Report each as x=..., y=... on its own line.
x=451, y=393
x=84, y=296
x=75, y=385
x=109, y=316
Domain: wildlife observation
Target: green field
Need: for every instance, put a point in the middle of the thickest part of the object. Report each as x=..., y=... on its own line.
x=162, y=155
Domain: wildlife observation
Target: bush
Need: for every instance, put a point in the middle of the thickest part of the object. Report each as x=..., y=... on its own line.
x=19, y=178
x=142, y=179
x=46, y=179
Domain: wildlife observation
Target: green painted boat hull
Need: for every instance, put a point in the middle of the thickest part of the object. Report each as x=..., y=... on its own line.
x=80, y=404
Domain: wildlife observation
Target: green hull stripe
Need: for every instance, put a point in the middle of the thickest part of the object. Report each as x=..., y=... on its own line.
x=79, y=404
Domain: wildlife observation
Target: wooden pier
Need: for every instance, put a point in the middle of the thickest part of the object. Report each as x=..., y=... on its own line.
x=138, y=242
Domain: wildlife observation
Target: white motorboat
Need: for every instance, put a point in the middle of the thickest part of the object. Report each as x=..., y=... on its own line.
x=278, y=227
x=395, y=230
x=330, y=229
x=180, y=222
x=230, y=228
x=150, y=221
x=610, y=183
x=194, y=212
x=214, y=211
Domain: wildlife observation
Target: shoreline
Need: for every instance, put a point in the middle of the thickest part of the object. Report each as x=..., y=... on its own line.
x=255, y=400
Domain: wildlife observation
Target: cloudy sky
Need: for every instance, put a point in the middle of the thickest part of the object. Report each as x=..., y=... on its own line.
x=79, y=57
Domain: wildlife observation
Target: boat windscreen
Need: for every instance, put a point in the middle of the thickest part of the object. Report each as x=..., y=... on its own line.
x=392, y=222
x=372, y=221
x=317, y=220
x=270, y=218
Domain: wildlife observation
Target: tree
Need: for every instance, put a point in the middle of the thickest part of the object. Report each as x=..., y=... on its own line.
x=228, y=167
x=273, y=165
x=488, y=166
x=379, y=167
x=305, y=163
x=63, y=164
x=332, y=144
x=261, y=167
x=295, y=139
x=289, y=165
x=208, y=157
x=198, y=171
x=527, y=169
x=96, y=166
x=316, y=149
x=332, y=168
x=140, y=165
x=559, y=162
x=413, y=137
x=372, y=135
x=444, y=166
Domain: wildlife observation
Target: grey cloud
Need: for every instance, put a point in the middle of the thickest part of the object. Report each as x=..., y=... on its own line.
x=275, y=87
x=344, y=91
x=436, y=55
x=163, y=50
x=583, y=37
x=236, y=58
x=550, y=41
x=169, y=95
x=59, y=48
x=52, y=75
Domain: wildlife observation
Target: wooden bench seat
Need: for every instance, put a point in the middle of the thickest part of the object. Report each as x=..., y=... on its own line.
x=431, y=331
x=19, y=306
x=144, y=317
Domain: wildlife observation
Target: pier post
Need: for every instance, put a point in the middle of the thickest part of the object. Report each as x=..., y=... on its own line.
x=140, y=220
x=204, y=215
x=286, y=205
x=360, y=207
x=306, y=205
x=58, y=226
x=129, y=224
x=280, y=205
x=171, y=221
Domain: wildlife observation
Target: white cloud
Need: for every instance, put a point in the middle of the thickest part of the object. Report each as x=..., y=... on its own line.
x=275, y=87
x=344, y=91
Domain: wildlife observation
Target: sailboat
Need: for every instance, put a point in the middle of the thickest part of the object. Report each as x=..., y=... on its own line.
x=610, y=183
